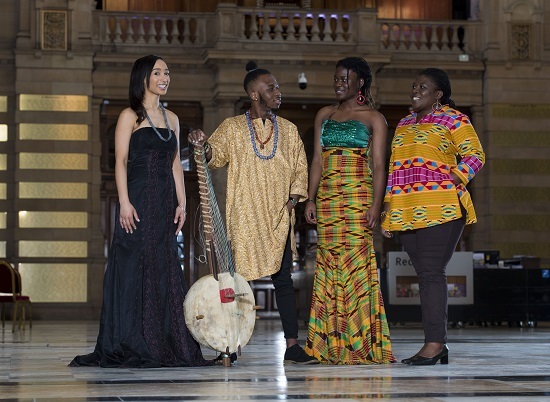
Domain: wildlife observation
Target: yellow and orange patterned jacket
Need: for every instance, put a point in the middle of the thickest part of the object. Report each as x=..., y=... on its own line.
x=420, y=188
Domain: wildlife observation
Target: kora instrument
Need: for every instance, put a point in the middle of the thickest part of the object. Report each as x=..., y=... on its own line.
x=219, y=308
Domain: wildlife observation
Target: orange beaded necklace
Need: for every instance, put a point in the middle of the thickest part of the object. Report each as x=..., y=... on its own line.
x=257, y=137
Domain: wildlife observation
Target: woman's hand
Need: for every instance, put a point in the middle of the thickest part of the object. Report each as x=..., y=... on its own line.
x=128, y=217
x=383, y=215
x=311, y=212
x=456, y=179
x=373, y=217
x=179, y=218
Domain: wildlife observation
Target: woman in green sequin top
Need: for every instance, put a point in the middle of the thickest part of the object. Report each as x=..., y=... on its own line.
x=347, y=323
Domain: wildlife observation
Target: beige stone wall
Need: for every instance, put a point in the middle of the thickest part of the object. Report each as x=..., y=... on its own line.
x=503, y=86
x=516, y=217
x=54, y=229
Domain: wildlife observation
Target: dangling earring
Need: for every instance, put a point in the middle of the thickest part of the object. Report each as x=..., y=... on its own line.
x=436, y=106
x=360, y=98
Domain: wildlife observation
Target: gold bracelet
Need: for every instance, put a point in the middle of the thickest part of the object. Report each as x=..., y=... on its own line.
x=310, y=200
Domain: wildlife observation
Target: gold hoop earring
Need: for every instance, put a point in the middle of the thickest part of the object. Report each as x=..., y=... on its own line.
x=436, y=106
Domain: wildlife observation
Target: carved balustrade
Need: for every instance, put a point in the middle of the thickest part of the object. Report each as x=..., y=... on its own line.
x=437, y=36
x=296, y=26
x=308, y=29
x=157, y=29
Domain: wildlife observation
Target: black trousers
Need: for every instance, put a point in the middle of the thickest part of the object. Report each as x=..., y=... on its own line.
x=285, y=295
x=430, y=250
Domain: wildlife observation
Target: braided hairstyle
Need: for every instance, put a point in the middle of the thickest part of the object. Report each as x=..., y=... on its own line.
x=442, y=82
x=253, y=73
x=139, y=77
x=362, y=69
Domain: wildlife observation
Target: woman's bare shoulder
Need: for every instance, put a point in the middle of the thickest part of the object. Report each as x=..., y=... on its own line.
x=127, y=117
x=371, y=116
x=326, y=111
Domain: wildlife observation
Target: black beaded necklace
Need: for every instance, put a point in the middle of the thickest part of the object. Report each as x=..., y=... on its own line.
x=165, y=122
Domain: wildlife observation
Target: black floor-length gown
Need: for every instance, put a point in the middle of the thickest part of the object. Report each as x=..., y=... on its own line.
x=142, y=320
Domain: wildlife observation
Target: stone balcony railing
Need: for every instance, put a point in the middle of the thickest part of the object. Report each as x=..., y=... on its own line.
x=153, y=29
x=296, y=27
x=307, y=29
x=436, y=36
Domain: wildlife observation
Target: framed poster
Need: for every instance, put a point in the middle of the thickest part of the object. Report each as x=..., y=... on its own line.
x=403, y=283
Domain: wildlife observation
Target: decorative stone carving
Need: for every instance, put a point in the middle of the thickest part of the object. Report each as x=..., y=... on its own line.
x=520, y=48
x=54, y=30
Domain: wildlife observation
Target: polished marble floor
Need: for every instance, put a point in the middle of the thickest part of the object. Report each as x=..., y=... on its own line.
x=486, y=364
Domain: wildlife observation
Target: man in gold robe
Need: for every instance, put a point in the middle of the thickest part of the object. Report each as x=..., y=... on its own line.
x=267, y=177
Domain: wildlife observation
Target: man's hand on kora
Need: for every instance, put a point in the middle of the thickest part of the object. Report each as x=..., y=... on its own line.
x=197, y=137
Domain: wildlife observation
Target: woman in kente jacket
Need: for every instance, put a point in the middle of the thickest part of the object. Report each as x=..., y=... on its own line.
x=435, y=154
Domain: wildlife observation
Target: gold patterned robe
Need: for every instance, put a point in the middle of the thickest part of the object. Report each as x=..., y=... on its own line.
x=258, y=190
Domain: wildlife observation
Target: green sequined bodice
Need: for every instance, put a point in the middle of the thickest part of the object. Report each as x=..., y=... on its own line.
x=348, y=134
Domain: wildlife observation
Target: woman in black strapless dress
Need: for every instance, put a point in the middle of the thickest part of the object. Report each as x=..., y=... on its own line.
x=142, y=320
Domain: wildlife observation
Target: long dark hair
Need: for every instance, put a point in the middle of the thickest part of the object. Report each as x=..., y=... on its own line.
x=362, y=69
x=139, y=78
x=253, y=73
x=442, y=82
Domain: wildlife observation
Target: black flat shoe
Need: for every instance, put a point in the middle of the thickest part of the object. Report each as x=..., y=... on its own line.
x=296, y=355
x=442, y=356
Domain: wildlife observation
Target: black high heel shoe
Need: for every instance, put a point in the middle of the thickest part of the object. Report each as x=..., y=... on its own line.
x=408, y=360
x=417, y=360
